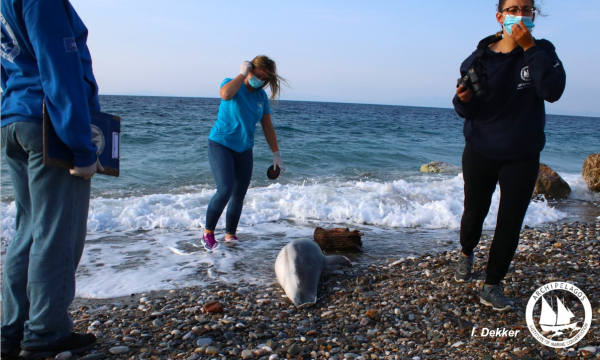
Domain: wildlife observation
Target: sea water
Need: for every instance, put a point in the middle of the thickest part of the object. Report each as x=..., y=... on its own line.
x=347, y=165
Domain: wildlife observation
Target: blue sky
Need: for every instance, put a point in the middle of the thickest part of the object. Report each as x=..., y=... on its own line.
x=379, y=52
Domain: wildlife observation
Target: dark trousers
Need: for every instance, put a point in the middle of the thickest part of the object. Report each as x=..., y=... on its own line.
x=232, y=172
x=517, y=181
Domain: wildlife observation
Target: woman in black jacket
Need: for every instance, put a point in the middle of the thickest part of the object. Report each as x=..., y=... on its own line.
x=504, y=131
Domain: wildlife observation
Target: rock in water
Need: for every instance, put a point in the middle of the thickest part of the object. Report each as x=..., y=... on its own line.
x=591, y=172
x=550, y=184
x=438, y=167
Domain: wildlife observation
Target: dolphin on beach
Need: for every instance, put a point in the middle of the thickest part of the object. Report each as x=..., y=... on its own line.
x=298, y=268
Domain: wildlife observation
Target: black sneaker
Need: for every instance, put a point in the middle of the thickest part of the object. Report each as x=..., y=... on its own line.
x=464, y=267
x=76, y=343
x=492, y=295
x=10, y=353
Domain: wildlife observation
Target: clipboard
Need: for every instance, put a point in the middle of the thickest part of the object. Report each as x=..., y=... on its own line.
x=106, y=135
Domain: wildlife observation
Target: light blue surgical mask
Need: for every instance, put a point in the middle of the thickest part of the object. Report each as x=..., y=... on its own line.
x=510, y=20
x=254, y=82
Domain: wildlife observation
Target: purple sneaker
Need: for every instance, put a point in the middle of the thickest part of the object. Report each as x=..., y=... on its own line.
x=209, y=242
x=231, y=240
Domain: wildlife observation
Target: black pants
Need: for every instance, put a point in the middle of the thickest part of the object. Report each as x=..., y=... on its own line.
x=517, y=181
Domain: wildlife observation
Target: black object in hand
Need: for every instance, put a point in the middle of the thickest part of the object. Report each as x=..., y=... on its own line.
x=273, y=173
x=476, y=79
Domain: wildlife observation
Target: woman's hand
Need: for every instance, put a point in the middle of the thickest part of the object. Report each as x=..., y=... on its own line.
x=229, y=90
x=522, y=36
x=277, y=162
x=245, y=68
x=464, y=93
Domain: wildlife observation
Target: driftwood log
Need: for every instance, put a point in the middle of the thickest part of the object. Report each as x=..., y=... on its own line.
x=338, y=239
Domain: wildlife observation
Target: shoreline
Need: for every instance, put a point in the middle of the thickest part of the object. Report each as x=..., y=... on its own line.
x=389, y=309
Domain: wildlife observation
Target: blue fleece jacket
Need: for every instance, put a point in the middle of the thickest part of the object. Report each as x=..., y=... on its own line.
x=45, y=56
x=508, y=124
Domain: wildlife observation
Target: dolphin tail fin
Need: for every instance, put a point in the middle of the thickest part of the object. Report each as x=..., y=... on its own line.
x=338, y=260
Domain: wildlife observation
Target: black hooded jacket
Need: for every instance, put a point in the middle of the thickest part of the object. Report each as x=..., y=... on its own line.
x=508, y=123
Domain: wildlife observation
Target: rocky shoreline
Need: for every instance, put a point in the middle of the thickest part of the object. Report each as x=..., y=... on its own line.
x=395, y=309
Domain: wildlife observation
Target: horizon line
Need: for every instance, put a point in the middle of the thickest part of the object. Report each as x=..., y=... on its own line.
x=330, y=102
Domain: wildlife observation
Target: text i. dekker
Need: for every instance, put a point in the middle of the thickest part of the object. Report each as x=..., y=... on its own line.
x=485, y=332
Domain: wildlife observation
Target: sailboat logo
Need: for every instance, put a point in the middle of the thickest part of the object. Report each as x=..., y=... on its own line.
x=559, y=326
x=556, y=322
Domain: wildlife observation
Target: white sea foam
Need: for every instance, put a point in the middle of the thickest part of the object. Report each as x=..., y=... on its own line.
x=152, y=242
x=579, y=189
x=433, y=203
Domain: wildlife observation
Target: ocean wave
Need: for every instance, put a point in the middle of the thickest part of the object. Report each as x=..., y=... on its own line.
x=579, y=189
x=431, y=202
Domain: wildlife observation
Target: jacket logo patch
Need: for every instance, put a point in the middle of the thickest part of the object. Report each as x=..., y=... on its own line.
x=70, y=44
x=10, y=45
x=525, y=74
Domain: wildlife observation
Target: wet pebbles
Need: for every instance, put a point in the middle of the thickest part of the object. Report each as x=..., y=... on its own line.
x=399, y=309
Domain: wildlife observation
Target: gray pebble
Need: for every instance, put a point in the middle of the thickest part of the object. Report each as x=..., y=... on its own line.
x=118, y=350
x=64, y=355
x=204, y=341
x=294, y=349
x=100, y=356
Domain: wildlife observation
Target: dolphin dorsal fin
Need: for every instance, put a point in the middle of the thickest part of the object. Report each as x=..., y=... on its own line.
x=337, y=260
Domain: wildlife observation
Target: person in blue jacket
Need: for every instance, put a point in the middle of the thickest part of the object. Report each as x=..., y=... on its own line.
x=45, y=59
x=504, y=133
x=244, y=103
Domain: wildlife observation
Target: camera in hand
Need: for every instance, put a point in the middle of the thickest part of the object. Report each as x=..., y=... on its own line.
x=476, y=80
x=476, y=77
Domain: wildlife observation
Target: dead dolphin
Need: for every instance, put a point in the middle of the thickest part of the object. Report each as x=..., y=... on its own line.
x=298, y=268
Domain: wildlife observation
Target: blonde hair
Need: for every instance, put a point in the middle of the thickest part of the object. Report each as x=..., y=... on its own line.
x=274, y=81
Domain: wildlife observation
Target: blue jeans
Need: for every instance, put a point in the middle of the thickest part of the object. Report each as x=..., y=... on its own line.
x=38, y=283
x=232, y=172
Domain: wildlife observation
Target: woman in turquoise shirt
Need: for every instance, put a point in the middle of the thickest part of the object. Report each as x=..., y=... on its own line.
x=244, y=103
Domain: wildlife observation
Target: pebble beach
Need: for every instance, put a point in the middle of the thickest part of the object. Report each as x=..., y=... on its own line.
x=398, y=308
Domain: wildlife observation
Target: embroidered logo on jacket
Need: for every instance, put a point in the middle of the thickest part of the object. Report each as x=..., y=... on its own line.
x=10, y=45
x=525, y=76
x=70, y=44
